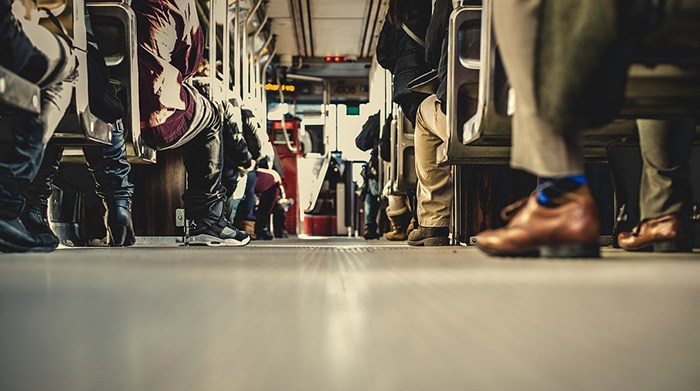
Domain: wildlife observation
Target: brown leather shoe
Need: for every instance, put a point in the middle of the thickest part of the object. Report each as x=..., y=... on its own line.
x=568, y=231
x=662, y=234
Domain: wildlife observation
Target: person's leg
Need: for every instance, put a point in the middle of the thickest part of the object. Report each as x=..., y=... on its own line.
x=20, y=161
x=665, y=193
x=204, y=197
x=561, y=219
x=434, y=183
x=262, y=221
x=110, y=168
x=371, y=209
x=37, y=193
x=245, y=215
x=400, y=217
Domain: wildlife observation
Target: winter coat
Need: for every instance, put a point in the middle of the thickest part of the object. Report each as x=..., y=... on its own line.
x=400, y=54
x=436, y=45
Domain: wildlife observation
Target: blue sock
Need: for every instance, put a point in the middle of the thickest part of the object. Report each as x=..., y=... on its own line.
x=551, y=192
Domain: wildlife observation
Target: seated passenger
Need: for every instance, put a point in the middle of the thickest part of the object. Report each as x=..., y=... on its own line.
x=108, y=164
x=401, y=50
x=560, y=219
x=47, y=60
x=175, y=115
x=267, y=187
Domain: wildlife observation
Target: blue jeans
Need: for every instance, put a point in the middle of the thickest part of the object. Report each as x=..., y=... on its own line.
x=371, y=202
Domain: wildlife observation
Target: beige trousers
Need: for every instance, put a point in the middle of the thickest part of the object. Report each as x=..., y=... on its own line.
x=434, y=184
x=537, y=146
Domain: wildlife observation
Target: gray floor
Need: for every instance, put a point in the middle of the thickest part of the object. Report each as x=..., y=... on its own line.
x=344, y=315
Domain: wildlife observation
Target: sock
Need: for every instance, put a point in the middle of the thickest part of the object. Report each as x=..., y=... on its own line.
x=553, y=192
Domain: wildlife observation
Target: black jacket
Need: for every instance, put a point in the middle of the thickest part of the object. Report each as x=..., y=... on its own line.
x=400, y=54
x=250, y=135
x=436, y=45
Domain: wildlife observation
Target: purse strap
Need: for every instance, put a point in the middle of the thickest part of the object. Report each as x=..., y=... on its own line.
x=413, y=35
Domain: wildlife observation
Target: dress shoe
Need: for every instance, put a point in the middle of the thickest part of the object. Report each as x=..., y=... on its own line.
x=568, y=231
x=15, y=237
x=663, y=234
x=120, y=228
x=429, y=236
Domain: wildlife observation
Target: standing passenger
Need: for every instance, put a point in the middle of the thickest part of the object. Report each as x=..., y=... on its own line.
x=401, y=50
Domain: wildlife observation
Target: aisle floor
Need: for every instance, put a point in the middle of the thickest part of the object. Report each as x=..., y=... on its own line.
x=344, y=314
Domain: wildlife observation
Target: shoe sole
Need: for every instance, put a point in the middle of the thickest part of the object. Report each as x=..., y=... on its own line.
x=6, y=247
x=573, y=251
x=213, y=241
x=430, y=242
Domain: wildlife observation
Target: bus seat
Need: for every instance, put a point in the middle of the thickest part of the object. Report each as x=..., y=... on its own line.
x=17, y=93
x=114, y=26
x=403, y=173
x=79, y=126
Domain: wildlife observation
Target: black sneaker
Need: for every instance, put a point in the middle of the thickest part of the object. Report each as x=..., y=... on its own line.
x=429, y=236
x=222, y=234
x=16, y=238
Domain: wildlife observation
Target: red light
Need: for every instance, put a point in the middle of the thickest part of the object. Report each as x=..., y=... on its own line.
x=337, y=59
x=329, y=59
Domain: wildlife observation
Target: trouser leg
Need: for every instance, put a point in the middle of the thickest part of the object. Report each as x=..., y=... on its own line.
x=371, y=202
x=39, y=191
x=537, y=146
x=203, y=159
x=246, y=209
x=110, y=167
x=434, y=184
x=666, y=149
x=23, y=152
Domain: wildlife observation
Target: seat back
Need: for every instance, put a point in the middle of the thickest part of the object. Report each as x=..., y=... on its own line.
x=79, y=126
x=403, y=160
x=114, y=26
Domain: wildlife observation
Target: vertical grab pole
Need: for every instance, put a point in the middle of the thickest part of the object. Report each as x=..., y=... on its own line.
x=245, y=55
x=237, y=52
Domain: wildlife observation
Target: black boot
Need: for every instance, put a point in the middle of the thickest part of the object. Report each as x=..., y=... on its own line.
x=35, y=218
x=15, y=237
x=120, y=229
x=262, y=228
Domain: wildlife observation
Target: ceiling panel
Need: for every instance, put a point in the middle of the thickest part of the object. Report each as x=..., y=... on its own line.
x=337, y=37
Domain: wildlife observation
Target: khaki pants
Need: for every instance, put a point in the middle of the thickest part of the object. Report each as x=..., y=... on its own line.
x=537, y=146
x=434, y=183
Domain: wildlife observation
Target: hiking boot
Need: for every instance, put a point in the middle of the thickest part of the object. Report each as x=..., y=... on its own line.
x=429, y=236
x=120, y=228
x=221, y=233
x=15, y=237
x=400, y=226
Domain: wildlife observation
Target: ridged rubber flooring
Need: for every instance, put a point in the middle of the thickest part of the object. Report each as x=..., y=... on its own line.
x=345, y=314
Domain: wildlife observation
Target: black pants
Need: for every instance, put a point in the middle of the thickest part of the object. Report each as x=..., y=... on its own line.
x=107, y=163
x=23, y=137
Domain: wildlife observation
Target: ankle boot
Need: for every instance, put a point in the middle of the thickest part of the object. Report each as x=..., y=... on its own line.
x=400, y=226
x=120, y=229
x=249, y=227
x=35, y=218
x=15, y=237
